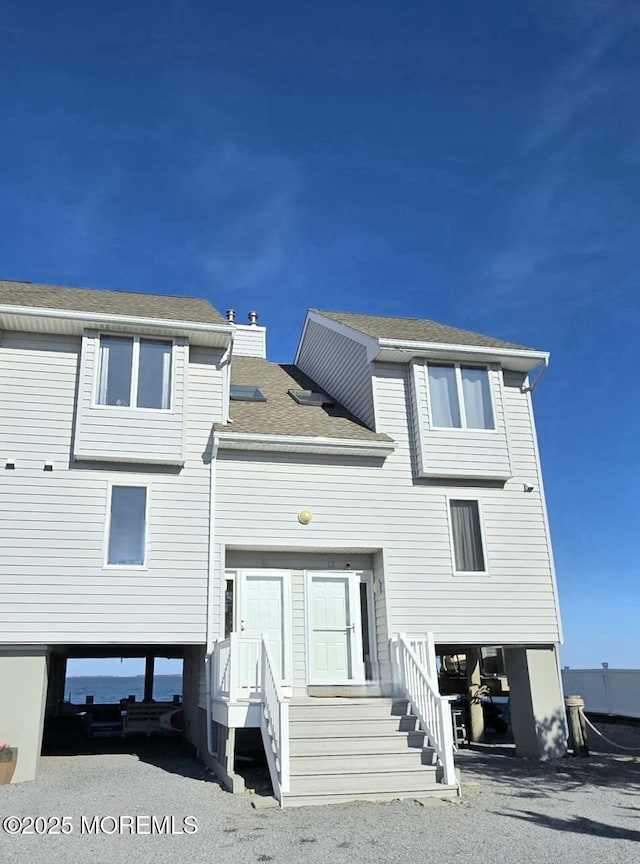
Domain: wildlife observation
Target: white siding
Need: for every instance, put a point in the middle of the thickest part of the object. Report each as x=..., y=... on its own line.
x=381, y=622
x=340, y=366
x=108, y=433
x=298, y=632
x=53, y=587
x=249, y=341
x=471, y=453
x=358, y=504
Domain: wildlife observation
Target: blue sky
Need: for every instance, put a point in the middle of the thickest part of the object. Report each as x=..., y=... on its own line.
x=474, y=163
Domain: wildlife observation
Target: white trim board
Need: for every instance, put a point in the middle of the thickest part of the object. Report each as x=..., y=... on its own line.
x=304, y=444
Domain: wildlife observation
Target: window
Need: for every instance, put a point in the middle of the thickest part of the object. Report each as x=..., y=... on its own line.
x=244, y=393
x=467, y=537
x=127, y=526
x=311, y=397
x=460, y=397
x=134, y=373
x=228, y=607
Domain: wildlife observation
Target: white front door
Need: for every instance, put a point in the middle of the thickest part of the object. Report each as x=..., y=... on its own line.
x=263, y=609
x=335, y=637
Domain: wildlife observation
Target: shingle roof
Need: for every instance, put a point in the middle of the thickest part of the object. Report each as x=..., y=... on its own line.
x=123, y=303
x=281, y=414
x=414, y=330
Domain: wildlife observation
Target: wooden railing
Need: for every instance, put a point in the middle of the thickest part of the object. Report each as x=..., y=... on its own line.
x=418, y=681
x=275, y=723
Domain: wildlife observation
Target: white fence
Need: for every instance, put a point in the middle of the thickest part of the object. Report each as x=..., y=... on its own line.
x=605, y=691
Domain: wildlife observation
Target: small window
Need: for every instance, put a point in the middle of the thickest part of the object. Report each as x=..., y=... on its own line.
x=134, y=372
x=242, y=393
x=467, y=537
x=476, y=398
x=460, y=397
x=443, y=389
x=154, y=374
x=114, y=381
x=127, y=526
x=311, y=397
x=228, y=607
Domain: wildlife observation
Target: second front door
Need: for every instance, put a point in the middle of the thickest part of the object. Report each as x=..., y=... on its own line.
x=334, y=628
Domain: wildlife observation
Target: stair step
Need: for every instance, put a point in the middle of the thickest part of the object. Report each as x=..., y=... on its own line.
x=435, y=791
x=390, y=742
x=355, y=728
x=359, y=749
x=346, y=691
x=361, y=763
x=419, y=779
x=346, y=709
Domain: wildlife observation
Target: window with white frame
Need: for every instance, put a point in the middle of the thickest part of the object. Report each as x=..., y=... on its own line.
x=134, y=372
x=466, y=534
x=460, y=396
x=127, y=526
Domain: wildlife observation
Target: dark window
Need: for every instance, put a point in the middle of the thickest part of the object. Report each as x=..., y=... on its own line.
x=311, y=397
x=228, y=608
x=467, y=537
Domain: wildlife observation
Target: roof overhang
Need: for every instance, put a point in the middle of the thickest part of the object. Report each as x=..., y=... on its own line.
x=72, y=323
x=520, y=360
x=304, y=444
x=402, y=350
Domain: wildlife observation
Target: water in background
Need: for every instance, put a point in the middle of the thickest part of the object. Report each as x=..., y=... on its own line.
x=112, y=688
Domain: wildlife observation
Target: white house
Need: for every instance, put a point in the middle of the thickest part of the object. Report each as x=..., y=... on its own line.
x=305, y=536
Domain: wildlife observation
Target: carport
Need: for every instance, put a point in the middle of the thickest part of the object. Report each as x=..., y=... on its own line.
x=91, y=722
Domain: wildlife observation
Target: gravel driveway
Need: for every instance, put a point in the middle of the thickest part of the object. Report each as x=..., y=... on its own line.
x=575, y=810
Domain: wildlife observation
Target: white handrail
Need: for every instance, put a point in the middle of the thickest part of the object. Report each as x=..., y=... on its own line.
x=221, y=669
x=425, y=650
x=275, y=724
x=432, y=710
x=237, y=668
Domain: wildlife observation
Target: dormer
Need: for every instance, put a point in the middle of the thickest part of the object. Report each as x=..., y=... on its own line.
x=458, y=421
x=132, y=397
x=132, y=387
x=456, y=382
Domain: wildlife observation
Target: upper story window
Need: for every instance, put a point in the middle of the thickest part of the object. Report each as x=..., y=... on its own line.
x=460, y=397
x=134, y=372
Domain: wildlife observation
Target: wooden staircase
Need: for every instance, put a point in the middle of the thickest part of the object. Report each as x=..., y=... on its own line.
x=358, y=749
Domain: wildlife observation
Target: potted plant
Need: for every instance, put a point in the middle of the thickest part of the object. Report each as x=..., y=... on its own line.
x=8, y=759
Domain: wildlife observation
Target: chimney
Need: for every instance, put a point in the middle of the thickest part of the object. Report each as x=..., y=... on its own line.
x=231, y=315
x=250, y=340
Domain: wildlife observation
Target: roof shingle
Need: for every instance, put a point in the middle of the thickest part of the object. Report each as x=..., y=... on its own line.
x=96, y=301
x=414, y=330
x=281, y=414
